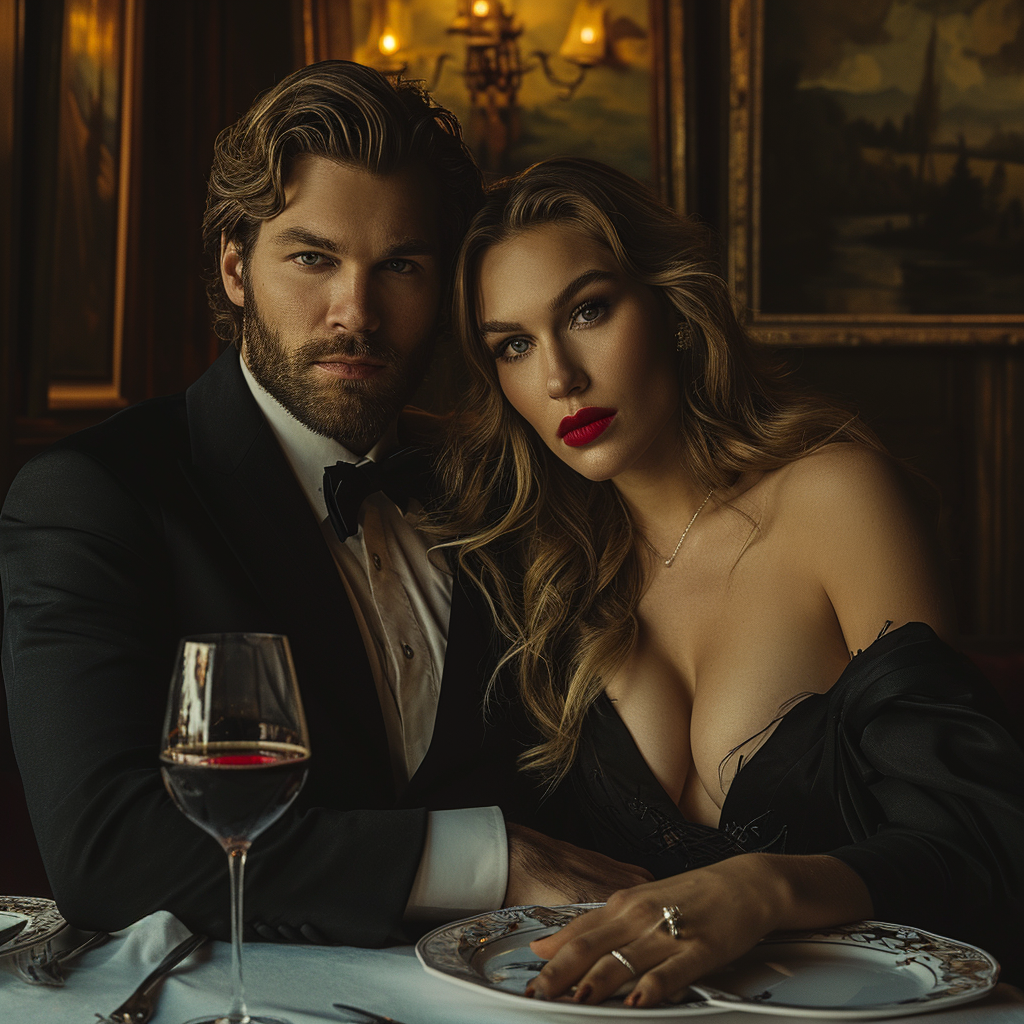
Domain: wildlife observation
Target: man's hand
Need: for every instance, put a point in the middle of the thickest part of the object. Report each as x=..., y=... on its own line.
x=547, y=871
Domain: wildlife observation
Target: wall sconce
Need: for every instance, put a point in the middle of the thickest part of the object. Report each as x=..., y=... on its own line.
x=493, y=69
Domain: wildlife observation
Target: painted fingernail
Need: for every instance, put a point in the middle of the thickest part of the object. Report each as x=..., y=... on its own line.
x=633, y=999
x=583, y=993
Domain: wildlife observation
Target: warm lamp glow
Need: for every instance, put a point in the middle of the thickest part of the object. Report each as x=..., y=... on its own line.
x=586, y=42
x=481, y=8
x=388, y=43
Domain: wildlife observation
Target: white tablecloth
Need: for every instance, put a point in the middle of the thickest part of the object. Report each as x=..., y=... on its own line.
x=301, y=982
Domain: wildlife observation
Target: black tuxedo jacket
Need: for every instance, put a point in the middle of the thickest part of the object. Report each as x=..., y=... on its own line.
x=181, y=515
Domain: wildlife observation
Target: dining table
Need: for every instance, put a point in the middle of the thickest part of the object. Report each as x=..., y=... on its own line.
x=301, y=982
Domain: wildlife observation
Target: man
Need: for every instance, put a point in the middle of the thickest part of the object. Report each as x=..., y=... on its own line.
x=335, y=208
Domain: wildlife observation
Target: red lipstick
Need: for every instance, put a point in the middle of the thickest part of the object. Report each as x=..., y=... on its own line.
x=585, y=426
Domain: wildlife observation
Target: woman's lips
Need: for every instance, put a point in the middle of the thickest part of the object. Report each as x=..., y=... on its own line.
x=585, y=426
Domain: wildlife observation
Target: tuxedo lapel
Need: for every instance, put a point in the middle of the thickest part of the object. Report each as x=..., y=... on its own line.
x=247, y=487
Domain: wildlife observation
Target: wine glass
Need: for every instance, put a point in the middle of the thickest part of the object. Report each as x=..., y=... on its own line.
x=234, y=755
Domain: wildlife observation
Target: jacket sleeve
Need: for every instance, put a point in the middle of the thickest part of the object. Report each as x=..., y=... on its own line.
x=89, y=634
x=932, y=787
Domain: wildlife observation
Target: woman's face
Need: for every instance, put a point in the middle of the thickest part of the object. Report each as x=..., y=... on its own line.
x=584, y=353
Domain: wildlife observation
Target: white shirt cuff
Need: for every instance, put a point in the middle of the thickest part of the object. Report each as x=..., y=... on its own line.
x=464, y=867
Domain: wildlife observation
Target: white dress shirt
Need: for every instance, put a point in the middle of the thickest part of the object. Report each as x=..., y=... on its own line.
x=401, y=596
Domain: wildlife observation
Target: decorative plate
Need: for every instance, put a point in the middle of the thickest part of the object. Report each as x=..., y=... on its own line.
x=491, y=953
x=853, y=972
x=44, y=922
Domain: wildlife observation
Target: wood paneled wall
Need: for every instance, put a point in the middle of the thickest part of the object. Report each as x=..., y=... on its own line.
x=955, y=413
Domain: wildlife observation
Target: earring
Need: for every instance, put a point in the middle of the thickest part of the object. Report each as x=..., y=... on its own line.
x=683, y=334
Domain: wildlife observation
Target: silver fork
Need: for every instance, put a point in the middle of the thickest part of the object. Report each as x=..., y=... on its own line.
x=138, y=1007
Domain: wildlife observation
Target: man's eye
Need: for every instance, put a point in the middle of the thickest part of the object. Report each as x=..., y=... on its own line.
x=309, y=259
x=399, y=266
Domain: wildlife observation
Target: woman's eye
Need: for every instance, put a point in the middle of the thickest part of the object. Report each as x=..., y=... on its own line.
x=518, y=346
x=588, y=313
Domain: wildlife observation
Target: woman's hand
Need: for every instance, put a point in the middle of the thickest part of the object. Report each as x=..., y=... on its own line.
x=724, y=909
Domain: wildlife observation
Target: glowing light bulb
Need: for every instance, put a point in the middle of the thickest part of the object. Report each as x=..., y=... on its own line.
x=388, y=43
x=481, y=8
x=587, y=35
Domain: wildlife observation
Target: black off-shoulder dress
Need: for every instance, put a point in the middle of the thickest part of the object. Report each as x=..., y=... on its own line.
x=905, y=770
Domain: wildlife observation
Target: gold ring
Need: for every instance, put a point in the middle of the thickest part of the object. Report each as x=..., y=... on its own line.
x=673, y=919
x=625, y=963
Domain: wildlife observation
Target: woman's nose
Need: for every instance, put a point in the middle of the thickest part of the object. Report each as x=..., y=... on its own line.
x=565, y=374
x=353, y=308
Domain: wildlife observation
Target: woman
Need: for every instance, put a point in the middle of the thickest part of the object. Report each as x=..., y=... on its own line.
x=685, y=555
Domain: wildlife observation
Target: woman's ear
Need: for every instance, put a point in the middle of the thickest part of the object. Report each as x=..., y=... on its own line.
x=231, y=271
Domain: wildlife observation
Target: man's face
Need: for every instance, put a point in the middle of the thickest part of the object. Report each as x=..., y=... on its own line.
x=340, y=294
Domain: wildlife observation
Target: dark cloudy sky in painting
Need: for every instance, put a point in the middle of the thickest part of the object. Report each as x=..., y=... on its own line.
x=870, y=54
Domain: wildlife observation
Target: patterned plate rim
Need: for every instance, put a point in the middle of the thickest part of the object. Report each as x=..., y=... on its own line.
x=447, y=952
x=963, y=972
x=45, y=921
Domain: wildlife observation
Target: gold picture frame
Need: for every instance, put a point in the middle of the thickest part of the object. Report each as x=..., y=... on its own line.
x=92, y=204
x=744, y=224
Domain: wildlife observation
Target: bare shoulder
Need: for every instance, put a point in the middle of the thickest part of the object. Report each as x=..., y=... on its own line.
x=846, y=480
x=852, y=519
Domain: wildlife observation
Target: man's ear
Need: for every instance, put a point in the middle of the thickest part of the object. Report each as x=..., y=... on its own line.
x=231, y=271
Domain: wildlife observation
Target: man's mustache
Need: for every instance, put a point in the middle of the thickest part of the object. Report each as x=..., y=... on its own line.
x=351, y=346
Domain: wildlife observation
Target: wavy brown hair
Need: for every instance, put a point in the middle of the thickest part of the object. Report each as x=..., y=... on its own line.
x=557, y=556
x=345, y=112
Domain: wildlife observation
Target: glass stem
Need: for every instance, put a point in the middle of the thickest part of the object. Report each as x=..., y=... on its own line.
x=236, y=870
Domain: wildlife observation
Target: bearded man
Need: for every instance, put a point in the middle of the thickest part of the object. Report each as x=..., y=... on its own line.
x=335, y=208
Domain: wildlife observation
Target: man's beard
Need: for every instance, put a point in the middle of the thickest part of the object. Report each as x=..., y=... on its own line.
x=353, y=412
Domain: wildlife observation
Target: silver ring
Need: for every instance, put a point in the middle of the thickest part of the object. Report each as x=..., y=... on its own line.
x=673, y=919
x=625, y=963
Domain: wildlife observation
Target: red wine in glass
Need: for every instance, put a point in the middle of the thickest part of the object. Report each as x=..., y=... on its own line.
x=234, y=756
x=234, y=790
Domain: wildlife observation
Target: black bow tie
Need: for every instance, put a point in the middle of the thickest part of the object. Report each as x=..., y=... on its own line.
x=347, y=485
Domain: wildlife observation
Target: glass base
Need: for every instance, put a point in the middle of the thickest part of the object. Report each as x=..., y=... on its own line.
x=229, y=1018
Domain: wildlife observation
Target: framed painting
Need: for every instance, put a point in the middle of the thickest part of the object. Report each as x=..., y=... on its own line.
x=531, y=79
x=85, y=264
x=876, y=170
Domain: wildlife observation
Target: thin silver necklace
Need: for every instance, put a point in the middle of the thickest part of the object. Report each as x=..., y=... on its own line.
x=671, y=558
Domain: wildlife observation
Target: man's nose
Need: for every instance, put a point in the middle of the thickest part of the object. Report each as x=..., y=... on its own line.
x=565, y=373
x=353, y=306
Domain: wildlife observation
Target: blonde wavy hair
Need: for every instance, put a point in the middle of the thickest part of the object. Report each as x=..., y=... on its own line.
x=557, y=556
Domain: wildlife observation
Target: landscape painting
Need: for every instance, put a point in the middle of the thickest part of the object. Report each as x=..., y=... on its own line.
x=892, y=158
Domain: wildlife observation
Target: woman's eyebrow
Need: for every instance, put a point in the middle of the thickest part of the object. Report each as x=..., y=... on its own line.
x=499, y=327
x=562, y=298
x=575, y=285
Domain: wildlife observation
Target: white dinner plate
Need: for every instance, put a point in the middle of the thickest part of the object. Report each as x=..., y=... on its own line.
x=858, y=971
x=490, y=953
x=43, y=922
